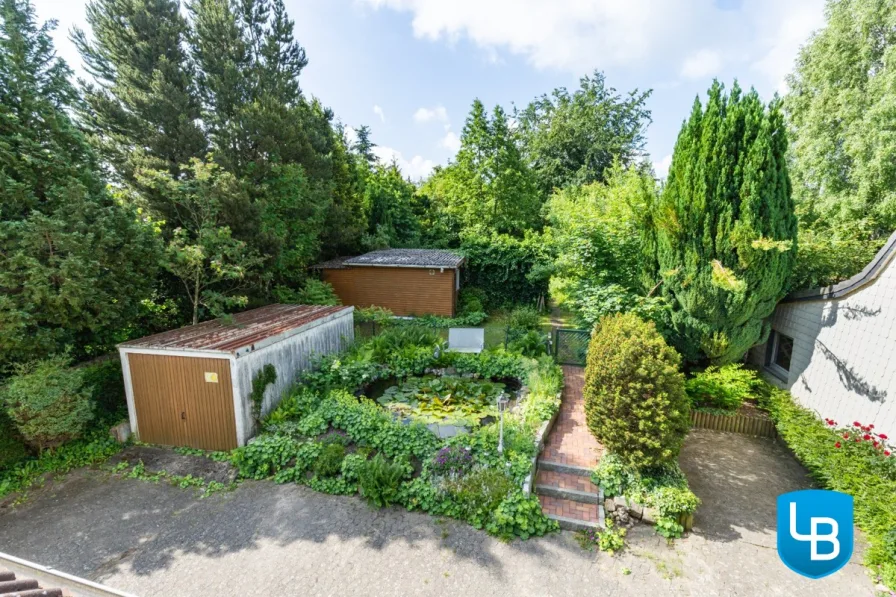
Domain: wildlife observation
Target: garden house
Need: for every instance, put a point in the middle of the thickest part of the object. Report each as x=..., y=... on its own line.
x=835, y=348
x=406, y=281
x=193, y=386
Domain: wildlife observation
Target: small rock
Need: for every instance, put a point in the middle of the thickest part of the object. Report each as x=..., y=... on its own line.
x=609, y=505
x=636, y=510
x=621, y=502
x=121, y=432
x=649, y=516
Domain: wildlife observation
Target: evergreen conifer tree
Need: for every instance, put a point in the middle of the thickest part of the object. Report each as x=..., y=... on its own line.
x=74, y=262
x=726, y=229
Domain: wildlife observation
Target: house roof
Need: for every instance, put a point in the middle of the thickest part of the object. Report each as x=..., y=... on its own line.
x=872, y=272
x=425, y=258
x=247, y=329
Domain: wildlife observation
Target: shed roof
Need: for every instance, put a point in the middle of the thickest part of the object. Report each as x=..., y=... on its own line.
x=398, y=258
x=248, y=328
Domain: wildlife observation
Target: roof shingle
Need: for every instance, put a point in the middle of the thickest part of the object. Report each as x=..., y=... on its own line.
x=248, y=328
x=398, y=258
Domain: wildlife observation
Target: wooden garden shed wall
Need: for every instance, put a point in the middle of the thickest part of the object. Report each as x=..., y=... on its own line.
x=403, y=290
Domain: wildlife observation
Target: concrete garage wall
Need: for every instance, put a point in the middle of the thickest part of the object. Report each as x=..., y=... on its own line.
x=290, y=357
x=843, y=364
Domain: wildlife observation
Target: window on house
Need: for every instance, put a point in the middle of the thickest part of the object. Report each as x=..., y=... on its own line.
x=779, y=354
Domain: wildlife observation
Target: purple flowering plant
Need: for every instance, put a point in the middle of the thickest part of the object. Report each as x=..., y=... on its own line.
x=452, y=461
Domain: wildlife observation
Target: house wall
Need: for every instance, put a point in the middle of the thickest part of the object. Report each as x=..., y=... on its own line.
x=844, y=352
x=403, y=290
x=290, y=357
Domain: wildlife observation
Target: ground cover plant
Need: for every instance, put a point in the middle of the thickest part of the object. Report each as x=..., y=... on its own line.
x=851, y=458
x=390, y=459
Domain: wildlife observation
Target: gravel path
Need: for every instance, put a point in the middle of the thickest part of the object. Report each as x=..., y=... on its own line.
x=269, y=539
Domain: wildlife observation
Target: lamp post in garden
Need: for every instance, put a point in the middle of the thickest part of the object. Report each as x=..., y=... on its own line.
x=503, y=400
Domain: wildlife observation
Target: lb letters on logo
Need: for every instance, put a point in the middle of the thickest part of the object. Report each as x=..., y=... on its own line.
x=815, y=531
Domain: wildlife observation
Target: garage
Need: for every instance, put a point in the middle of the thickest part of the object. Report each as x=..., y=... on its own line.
x=193, y=386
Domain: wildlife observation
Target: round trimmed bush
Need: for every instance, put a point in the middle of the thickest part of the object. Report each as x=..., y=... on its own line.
x=48, y=402
x=635, y=401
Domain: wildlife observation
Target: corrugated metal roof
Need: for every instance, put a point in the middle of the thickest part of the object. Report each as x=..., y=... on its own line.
x=248, y=328
x=398, y=258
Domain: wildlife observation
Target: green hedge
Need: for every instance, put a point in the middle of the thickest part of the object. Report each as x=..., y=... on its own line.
x=506, y=270
x=845, y=466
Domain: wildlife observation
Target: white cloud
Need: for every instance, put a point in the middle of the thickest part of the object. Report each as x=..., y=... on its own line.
x=379, y=112
x=450, y=142
x=661, y=168
x=417, y=168
x=701, y=64
x=438, y=113
x=579, y=35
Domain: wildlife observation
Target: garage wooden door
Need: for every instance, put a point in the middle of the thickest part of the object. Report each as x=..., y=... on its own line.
x=183, y=401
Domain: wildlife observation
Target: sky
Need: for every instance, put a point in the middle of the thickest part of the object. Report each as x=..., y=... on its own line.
x=410, y=69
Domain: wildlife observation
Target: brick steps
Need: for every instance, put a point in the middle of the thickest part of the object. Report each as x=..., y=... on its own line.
x=568, y=496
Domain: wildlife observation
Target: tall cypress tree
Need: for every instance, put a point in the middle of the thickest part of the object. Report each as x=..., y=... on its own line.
x=726, y=230
x=142, y=110
x=74, y=262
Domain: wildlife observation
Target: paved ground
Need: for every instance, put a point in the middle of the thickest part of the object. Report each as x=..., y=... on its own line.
x=269, y=539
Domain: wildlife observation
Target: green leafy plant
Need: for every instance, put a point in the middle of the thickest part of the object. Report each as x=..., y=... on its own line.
x=724, y=387
x=48, y=402
x=316, y=292
x=479, y=493
x=531, y=344
x=379, y=480
x=524, y=318
x=329, y=462
x=380, y=316
x=520, y=516
x=266, y=455
x=635, y=401
x=663, y=488
x=264, y=377
x=471, y=300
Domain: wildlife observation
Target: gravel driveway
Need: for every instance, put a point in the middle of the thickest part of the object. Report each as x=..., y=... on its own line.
x=266, y=539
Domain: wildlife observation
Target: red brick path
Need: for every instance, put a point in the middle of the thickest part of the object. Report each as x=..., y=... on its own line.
x=568, y=509
x=570, y=442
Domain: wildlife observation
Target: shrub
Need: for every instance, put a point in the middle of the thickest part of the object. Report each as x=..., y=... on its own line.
x=317, y=292
x=264, y=377
x=479, y=493
x=519, y=516
x=48, y=402
x=530, y=344
x=12, y=450
x=524, y=318
x=506, y=270
x=724, y=387
x=847, y=468
x=663, y=488
x=635, y=401
x=380, y=480
x=329, y=462
x=471, y=300
x=107, y=388
x=452, y=461
x=380, y=316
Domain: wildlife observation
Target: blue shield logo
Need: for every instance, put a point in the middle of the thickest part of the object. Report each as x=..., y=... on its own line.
x=815, y=532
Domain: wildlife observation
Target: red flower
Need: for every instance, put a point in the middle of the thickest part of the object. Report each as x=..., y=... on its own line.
x=866, y=437
x=858, y=439
x=876, y=444
x=882, y=436
x=845, y=436
x=886, y=452
x=837, y=445
x=870, y=426
x=856, y=424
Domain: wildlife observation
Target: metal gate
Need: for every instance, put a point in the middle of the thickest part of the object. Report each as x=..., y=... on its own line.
x=571, y=346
